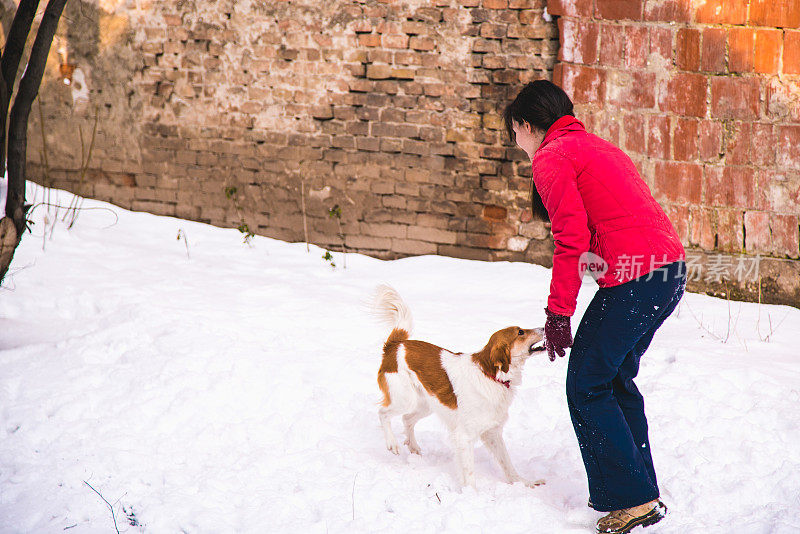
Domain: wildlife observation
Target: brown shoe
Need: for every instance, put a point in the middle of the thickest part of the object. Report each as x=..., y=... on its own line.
x=623, y=521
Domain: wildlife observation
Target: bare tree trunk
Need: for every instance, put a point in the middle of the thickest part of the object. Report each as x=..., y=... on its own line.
x=9, y=65
x=18, y=121
x=10, y=234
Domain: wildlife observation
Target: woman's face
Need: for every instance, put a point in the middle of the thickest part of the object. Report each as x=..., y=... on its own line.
x=527, y=137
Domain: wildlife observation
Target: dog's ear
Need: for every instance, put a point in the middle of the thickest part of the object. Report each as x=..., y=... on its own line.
x=501, y=356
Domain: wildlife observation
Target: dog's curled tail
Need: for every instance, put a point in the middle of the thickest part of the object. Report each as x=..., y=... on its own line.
x=391, y=309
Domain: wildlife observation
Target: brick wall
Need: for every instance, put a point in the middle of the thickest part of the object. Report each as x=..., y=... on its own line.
x=390, y=110
x=705, y=98
x=387, y=109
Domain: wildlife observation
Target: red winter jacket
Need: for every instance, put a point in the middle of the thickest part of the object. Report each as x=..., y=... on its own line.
x=598, y=203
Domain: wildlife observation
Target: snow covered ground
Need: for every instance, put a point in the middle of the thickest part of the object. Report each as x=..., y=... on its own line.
x=234, y=391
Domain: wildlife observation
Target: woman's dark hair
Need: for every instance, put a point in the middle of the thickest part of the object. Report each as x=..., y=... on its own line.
x=540, y=104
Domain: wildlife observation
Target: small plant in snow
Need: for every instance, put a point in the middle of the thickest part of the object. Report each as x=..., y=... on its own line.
x=336, y=213
x=248, y=235
x=130, y=515
x=329, y=258
x=182, y=234
x=230, y=194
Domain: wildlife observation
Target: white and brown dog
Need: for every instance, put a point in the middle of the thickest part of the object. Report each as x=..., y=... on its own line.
x=470, y=392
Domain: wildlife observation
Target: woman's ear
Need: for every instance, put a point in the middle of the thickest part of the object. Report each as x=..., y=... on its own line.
x=528, y=128
x=501, y=356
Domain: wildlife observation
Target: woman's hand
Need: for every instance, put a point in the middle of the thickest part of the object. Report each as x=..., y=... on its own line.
x=557, y=334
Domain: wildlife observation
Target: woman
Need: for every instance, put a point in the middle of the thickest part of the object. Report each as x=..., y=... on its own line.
x=601, y=209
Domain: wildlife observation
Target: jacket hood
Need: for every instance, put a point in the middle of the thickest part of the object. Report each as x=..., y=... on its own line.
x=563, y=125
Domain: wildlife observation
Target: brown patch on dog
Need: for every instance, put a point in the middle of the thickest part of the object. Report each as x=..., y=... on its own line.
x=426, y=361
x=389, y=362
x=496, y=355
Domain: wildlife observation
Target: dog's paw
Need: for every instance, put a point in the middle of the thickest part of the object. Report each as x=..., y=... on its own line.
x=393, y=447
x=413, y=447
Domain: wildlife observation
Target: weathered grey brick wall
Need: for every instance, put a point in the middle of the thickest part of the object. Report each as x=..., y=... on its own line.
x=387, y=109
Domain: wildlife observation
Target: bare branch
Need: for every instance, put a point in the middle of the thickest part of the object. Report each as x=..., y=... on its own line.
x=114, y=517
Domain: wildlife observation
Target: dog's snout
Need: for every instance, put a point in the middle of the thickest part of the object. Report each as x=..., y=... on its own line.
x=537, y=344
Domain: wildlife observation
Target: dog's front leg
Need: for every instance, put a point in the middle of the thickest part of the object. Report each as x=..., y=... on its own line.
x=493, y=440
x=465, y=458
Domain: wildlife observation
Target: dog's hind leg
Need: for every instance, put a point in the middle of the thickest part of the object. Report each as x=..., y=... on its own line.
x=423, y=409
x=401, y=400
x=385, y=413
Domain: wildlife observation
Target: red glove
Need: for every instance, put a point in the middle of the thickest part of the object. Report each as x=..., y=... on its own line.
x=557, y=334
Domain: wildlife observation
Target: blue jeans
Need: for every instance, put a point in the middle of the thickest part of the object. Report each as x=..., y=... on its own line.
x=605, y=405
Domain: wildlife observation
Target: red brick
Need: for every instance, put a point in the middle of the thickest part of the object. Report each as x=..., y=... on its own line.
x=632, y=90
x=678, y=182
x=369, y=39
x=785, y=234
x=733, y=187
x=685, y=94
x=421, y=43
x=558, y=76
x=570, y=8
x=495, y=4
x=661, y=45
x=710, y=140
x=493, y=31
x=389, y=27
x=758, y=238
x=524, y=4
x=702, y=227
x=608, y=128
x=618, y=9
x=658, y=136
x=763, y=145
x=788, y=146
x=634, y=133
x=713, y=57
x=612, y=44
x=721, y=12
x=730, y=230
x=636, y=46
x=779, y=191
x=688, y=49
x=734, y=98
x=379, y=72
x=668, y=11
x=583, y=84
x=740, y=49
x=684, y=140
x=679, y=216
x=495, y=213
x=768, y=51
x=395, y=41
x=578, y=41
x=781, y=100
x=777, y=13
x=737, y=147
x=791, y=52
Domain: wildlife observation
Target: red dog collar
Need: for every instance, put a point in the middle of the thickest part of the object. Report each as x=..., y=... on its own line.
x=506, y=383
